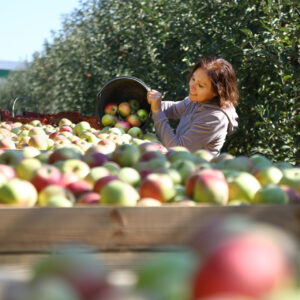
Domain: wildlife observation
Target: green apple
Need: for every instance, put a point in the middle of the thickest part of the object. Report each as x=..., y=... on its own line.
x=26, y=168
x=112, y=167
x=143, y=115
x=260, y=161
x=239, y=163
x=126, y=155
x=36, y=131
x=29, y=151
x=291, y=177
x=18, y=191
x=55, y=195
x=270, y=194
x=135, y=132
x=180, y=153
x=184, y=167
x=134, y=104
x=268, y=175
x=130, y=175
x=83, y=125
x=119, y=193
x=96, y=173
x=11, y=157
x=204, y=154
x=242, y=186
x=75, y=166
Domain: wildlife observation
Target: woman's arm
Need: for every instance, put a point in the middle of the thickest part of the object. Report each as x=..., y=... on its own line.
x=202, y=131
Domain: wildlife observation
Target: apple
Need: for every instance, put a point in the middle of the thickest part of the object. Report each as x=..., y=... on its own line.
x=79, y=127
x=88, y=198
x=291, y=177
x=148, y=202
x=126, y=155
x=7, y=143
x=135, y=132
x=39, y=141
x=35, y=123
x=96, y=173
x=260, y=161
x=29, y=152
x=49, y=289
x=157, y=186
x=151, y=137
x=59, y=193
x=18, y=191
x=66, y=128
x=11, y=157
x=82, y=272
x=239, y=163
x=152, y=146
x=26, y=168
x=124, y=109
x=208, y=186
x=270, y=194
x=117, y=192
x=133, y=120
x=7, y=171
x=78, y=187
x=130, y=175
x=112, y=167
x=64, y=121
x=102, y=182
x=46, y=175
x=242, y=186
x=143, y=115
x=108, y=120
x=123, y=125
x=268, y=175
x=134, y=104
x=36, y=131
x=111, y=108
x=64, y=153
x=250, y=265
x=180, y=153
x=95, y=159
x=75, y=166
x=89, y=137
x=204, y=154
x=294, y=197
x=184, y=168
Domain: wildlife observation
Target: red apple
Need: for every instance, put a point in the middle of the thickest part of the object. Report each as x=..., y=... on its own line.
x=95, y=159
x=79, y=187
x=66, y=128
x=208, y=186
x=250, y=265
x=133, y=120
x=157, y=186
x=64, y=153
x=111, y=108
x=123, y=124
x=7, y=171
x=88, y=198
x=46, y=175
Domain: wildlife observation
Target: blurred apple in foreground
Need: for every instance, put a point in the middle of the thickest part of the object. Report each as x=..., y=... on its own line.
x=239, y=256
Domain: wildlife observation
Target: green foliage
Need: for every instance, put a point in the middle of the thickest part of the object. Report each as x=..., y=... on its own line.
x=158, y=42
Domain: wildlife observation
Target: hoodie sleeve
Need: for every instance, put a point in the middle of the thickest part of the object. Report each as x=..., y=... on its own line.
x=174, y=110
x=202, y=131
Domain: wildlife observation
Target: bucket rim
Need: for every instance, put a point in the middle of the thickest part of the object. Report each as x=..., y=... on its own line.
x=124, y=77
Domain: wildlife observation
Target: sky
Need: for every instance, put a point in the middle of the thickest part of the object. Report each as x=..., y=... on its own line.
x=26, y=24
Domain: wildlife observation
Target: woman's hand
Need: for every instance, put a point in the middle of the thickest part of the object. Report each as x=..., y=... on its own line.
x=154, y=99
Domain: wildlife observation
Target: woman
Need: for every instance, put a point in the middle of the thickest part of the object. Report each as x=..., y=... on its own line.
x=207, y=115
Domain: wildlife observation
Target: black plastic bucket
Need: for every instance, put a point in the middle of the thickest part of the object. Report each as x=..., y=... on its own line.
x=120, y=89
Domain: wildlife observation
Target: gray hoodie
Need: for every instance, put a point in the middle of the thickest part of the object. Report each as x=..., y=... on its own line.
x=202, y=125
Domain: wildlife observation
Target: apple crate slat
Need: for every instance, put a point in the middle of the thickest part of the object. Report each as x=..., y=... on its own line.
x=109, y=229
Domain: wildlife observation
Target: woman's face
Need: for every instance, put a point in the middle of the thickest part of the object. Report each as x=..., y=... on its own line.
x=200, y=87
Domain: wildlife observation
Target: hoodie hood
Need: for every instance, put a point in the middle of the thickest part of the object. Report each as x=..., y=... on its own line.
x=232, y=116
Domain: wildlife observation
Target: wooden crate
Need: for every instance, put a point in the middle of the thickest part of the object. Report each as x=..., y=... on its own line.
x=121, y=236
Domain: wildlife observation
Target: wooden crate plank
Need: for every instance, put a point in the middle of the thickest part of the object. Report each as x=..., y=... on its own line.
x=122, y=228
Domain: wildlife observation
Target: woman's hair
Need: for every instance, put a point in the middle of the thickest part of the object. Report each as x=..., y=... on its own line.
x=222, y=78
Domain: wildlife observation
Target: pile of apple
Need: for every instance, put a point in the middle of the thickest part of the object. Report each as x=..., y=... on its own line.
x=74, y=164
x=126, y=115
